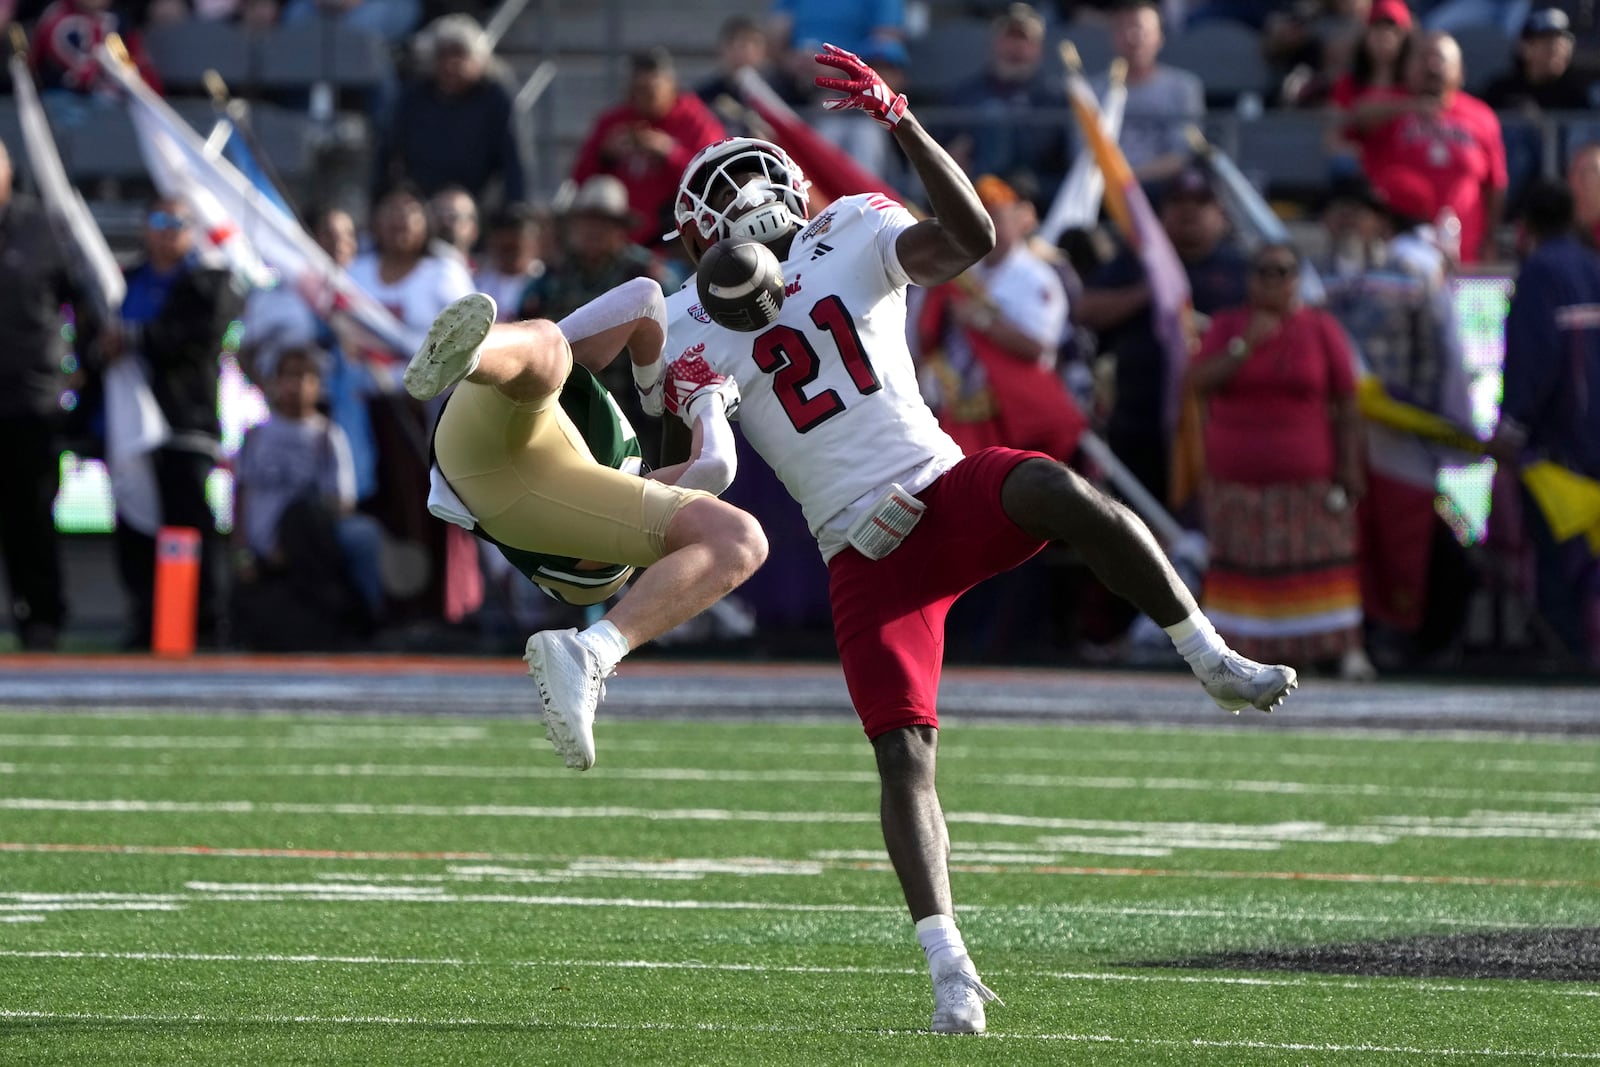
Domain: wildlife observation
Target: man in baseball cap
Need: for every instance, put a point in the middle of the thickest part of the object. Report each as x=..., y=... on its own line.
x=1542, y=78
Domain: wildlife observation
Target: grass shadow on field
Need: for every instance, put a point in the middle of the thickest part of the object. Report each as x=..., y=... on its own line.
x=1550, y=955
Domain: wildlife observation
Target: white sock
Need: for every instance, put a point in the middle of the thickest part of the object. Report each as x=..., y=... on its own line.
x=1197, y=641
x=647, y=376
x=606, y=642
x=940, y=940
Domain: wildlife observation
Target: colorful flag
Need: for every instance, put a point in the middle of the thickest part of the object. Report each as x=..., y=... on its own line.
x=1378, y=406
x=1077, y=201
x=1570, y=502
x=242, y=151
x=1129, y=208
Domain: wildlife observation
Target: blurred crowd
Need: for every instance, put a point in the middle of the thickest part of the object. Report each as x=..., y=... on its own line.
x=1318, y=537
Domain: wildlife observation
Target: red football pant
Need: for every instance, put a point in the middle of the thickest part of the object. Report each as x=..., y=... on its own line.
x=889, y=614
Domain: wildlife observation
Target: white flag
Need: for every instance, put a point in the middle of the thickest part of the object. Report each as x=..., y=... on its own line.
x=94, y=267
x=1077, y=201
x=232, y=208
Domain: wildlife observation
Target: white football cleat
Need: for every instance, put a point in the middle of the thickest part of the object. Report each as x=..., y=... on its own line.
x=1236, y=683
x=958, y=999
x=450, y=351
x=571, y=686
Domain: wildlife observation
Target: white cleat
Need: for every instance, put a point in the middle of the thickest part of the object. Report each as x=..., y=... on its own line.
x=453, y=341
x=571, y=686
x=1236, y=683
x=958, y=999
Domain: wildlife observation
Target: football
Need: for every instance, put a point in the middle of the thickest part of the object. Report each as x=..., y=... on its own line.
x=740, y=283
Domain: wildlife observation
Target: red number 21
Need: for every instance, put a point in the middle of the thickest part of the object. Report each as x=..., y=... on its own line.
x=784, y=353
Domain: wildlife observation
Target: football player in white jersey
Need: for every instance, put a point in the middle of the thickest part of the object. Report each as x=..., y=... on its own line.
x=904, y=520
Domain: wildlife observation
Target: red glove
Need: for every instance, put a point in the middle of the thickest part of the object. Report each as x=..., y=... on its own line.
x=690, y=377
x=865, y=89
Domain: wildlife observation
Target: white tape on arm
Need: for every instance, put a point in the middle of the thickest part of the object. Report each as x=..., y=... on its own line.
x=712, y=469
x=632, y=300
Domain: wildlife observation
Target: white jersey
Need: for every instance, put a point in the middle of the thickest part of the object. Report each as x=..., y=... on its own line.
x=415, y=299
x=830, y=397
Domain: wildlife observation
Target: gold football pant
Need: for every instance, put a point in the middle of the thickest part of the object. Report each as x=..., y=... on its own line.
x=530, y=480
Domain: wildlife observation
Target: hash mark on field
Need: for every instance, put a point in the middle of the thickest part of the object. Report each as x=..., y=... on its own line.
x=729, y=1028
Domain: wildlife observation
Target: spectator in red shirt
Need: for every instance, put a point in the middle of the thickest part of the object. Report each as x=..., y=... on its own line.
x=1380, y=56
x=1450, y=137
x=1379, y=64
x=62, y=48
x=647, y=141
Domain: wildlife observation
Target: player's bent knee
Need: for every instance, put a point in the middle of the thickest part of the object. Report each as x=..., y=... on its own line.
x=546, y=355
x=731, y=533
x=907, y=755
x=1042, y=497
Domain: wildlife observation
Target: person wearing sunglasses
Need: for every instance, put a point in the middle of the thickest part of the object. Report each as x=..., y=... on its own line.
x=174, y=318
x=1284, y=467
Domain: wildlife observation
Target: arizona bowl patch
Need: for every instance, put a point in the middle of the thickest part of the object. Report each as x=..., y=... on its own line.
x=819, y=226
x=697, y=312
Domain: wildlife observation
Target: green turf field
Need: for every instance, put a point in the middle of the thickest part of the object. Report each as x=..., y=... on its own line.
x=263, y=890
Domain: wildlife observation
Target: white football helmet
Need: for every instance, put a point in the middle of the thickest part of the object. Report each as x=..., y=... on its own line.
x=775, y=197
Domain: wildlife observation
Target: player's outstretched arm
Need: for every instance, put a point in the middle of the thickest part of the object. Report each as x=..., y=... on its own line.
x=960, y=232
x=632, y=315
x=705, y=400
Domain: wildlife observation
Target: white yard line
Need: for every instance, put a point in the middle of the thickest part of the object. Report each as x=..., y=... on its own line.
x=877, y=863
x=1387, y=986
x=332, y=736
x=858, y=777
x=534, y=1026
x=201, y=893
x=38, y=906
x=1575, y=825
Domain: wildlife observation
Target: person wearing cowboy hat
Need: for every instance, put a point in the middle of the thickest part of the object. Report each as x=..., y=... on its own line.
x=597, y=255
